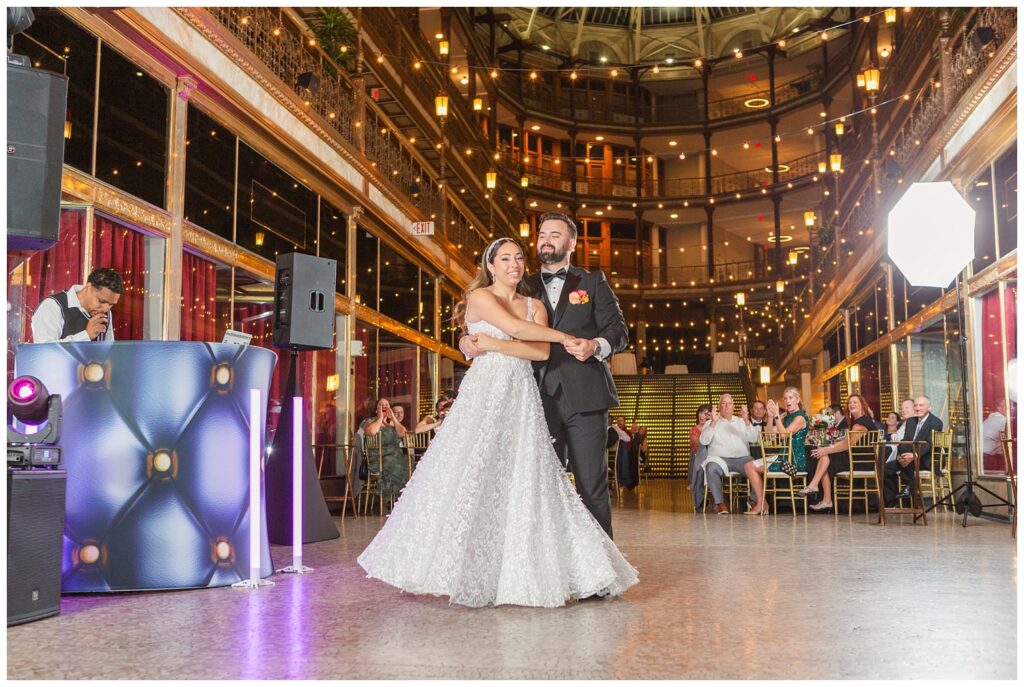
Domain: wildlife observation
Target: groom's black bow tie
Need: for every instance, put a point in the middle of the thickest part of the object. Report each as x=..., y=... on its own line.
x=548, y=276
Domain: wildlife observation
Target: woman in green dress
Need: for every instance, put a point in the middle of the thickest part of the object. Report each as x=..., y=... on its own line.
x=393, y=466
x=796, y=423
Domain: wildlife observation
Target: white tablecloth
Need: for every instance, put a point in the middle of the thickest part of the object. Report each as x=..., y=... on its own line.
x=726, y=362
x=676, y=370
x=623, y=364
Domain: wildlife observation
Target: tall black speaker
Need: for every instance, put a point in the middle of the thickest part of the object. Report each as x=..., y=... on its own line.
x=37, y=102
x=35, y=531
x=304, y=302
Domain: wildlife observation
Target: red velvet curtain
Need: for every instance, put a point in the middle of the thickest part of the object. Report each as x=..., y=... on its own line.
x=123, y=249
x=993, y=371
x=34, y=275
x=198, y=299
x=49, y=271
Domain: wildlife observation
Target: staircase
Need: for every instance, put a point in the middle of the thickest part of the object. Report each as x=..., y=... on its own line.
x=667, y=406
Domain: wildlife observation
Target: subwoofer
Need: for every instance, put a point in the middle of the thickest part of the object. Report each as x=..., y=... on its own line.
x=36, y=109
x=304, y=302
x=35, y=531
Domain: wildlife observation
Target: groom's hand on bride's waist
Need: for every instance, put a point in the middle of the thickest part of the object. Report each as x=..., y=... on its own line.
x=469, y=348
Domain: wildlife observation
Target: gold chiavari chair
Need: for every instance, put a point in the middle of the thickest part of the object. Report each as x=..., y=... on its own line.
x=938, y=478
x=416, y=445
x=862, y=447
x=1010, y=451
x=778, y=446
x=325, y=452
x=374, y=457
x=734, y=486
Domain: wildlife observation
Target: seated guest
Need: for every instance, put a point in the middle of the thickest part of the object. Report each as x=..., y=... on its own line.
x=434, y=422
x=638, y=452
x=993, y=429
x=918, y=428
x=703, y=415
x=906, y=412
x=837, y=412
x=394, y=462
x=794, y=421
x=759, y=419
x=697, y=455
x=82, y=313
x=622, y=471
x=892, y=424
x=836, y=458
x=728, y=439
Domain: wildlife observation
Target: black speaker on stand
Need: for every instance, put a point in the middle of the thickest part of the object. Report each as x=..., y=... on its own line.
x=35, y=531
x=36, y=107
x=303, y=321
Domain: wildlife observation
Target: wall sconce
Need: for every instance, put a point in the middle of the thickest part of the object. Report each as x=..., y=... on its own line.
x=441, y=105
x=442, y=47
x=333, y=382
x=524, y=181
x=835, y=161
x=766, y=375
x=890, y=15
x=260, y=237
x=478, y=104
x=741, y=298
x=492, y=180
x=524, y=229
x=780, y=286
x=840, y=129
x=792, y=258
x=872, y=79
x=853, y=374
x=809, y=218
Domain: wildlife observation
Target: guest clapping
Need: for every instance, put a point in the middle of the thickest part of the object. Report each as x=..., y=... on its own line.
x=793, y=420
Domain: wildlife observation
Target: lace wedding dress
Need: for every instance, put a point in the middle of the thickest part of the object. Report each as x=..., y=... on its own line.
x=489, y=516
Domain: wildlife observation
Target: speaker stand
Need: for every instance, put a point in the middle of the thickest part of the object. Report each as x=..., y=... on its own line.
x=316, y=518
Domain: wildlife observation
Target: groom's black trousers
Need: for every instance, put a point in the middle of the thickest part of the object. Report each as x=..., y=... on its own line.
x=581, y=443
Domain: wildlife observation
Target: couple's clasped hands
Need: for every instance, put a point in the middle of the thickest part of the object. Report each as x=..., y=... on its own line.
x=475, y=344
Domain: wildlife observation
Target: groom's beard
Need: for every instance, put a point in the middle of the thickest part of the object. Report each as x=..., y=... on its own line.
x=554, y=257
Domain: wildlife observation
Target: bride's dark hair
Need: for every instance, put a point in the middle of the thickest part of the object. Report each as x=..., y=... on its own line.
x=484, y=278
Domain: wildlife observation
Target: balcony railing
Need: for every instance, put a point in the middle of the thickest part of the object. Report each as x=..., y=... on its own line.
x=603, y=106
x=279, y=43
x=558, y=178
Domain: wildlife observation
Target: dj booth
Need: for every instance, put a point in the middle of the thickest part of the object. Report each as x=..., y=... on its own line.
x=155, y=442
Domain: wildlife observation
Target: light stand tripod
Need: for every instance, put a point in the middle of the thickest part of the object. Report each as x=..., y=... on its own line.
x=968, y=502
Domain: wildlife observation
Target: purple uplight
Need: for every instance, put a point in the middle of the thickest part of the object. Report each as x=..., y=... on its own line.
x=24, y=389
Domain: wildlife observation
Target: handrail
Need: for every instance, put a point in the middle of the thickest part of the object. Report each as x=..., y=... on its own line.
x=751, y=180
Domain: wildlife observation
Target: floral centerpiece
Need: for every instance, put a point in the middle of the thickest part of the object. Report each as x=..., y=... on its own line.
x=824, y=430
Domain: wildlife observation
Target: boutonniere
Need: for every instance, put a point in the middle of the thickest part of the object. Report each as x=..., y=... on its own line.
x=579, y=297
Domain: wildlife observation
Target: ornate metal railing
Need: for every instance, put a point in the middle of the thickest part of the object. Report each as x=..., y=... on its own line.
x=277, y=42
x=603, y=106
x=749, y=181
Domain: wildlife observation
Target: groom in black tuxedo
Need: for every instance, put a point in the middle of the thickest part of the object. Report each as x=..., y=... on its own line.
x=576, y=385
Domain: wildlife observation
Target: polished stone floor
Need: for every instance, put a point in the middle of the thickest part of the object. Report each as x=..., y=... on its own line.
x=719, y=597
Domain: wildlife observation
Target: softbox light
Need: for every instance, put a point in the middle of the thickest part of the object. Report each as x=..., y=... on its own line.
x=931, y=234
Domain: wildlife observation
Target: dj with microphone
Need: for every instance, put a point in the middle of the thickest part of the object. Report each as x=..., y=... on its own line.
x=82, y=313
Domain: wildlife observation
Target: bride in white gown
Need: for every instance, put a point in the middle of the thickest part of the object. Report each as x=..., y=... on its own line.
x=489, y=516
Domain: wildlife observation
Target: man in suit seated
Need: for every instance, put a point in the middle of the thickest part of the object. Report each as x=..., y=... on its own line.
x=917, y=428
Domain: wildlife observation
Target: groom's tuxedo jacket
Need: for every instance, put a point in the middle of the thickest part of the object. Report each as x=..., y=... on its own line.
x=586, y=386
